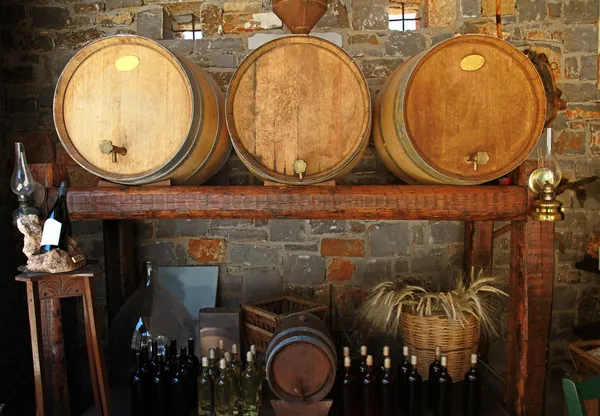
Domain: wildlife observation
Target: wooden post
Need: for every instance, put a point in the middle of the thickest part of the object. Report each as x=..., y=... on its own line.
x=530, y=309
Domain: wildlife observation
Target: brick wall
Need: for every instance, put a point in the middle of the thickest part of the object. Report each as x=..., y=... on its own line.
x=259, y=258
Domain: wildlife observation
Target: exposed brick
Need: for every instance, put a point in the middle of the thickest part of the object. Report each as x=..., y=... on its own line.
x=581, y=39
x=404, y=43
x=340, y=270
x=319, y=227
x=37, y=42
x=115, y=19
x=38, y=146
x=388, y=239
x=13, y=15
x=242, y=6
x=207, y=251
x=583, y=111
x=50, y=17
x=154, y=23
x=483, y=26
x=489, y=7
x=115, y=4
x=369, y=14
x=81, y=8
x=181, y=228
x=581, y=11
x=589, y=68
x=19, y=74
x=595, y=140
x=577, y=125
x=77, y=39
x=81, y=178
x=261, y=284
x=253, y=255
x=303, y=268
x=357, y=227
x=210, y=18
x=342, y=248
x=547, y=35
x=249, y=22
x=569, y=143
x=286, y=230
x=441, y=13
x=530, y=10
x=572, y=70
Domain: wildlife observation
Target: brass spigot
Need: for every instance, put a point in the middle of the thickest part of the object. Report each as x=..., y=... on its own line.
x=299, y=167
x=479, y=158
x=547, y=208
x=107, y=148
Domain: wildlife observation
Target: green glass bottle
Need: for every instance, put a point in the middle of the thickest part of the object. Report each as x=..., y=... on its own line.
x=258, y=363
x=213, y=364
x=251, y=386
x=237, y=365
x=224, y=392
x=205, y=390
x=221, y=350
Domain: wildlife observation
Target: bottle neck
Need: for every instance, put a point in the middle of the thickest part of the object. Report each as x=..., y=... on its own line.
x=151, y=270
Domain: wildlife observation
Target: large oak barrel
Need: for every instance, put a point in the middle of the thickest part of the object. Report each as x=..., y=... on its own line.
x=298, y=111
x=466, y=111
x=301, y=359
x=132, y=93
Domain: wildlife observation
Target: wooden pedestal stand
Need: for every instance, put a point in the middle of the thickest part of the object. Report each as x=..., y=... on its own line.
x=282, y=408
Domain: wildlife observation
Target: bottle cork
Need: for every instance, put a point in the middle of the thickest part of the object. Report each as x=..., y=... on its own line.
x=346, y=351
x=204, y=361
x=222, y=364
x=369, y=360
x=386, y=351
x=227, y=356
x=473, y=358
x=387, y=363
x=405, y=351
x=211, y=353
x=221, y=344
x=363, y=350
x=444, y=361
x=347, y=362
x=234, y=349
x=413, y=360
x=253, y=349
x=249, y=356
x=438, y=352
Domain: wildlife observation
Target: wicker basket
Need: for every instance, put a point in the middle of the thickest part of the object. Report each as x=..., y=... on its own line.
x=263, y=317
x=423, y=333
x=585, y=363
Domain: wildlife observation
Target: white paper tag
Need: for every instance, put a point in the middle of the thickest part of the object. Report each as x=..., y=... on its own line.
x=51, y=233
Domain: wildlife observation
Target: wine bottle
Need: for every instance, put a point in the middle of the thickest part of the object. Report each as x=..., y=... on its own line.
x=236, y=389
x=146, y=363
x=362, y=364
x=154, y=360
x=179, y=388
x=160, y=386
x=205, y=390
x=368, y=389
x=57, y=226
x=224, y=398
x=386, y=354
x=221, y=350
x=214, y=365
x=403, y=373
x=444, y=398
x=139, y=389
x=258, y=363
x=348, y=387
x=235, y=359
x=472, y=399
x=167, y=357
x=174, y=349
x=192, y=359
x=388, y=389
x=251, y=386
x=414, y=382
x=434, y=373
x=187, y=377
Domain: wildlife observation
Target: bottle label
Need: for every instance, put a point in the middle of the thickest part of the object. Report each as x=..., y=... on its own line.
x=51, y=233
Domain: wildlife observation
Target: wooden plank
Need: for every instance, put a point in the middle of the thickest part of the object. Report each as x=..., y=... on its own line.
x=35, y=327
x=318, y=202
x=530, y=310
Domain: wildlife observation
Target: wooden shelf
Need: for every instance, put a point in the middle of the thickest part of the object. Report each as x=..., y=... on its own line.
x=451, y=203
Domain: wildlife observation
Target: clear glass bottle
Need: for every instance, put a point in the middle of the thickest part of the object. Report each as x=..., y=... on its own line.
x=221, y=350
x=258, y=363
x=237, y=365
x=213, y=365
x=151, y=312
x=224, y=392
x=251, y=387
x=236, y=387
x=205, y=390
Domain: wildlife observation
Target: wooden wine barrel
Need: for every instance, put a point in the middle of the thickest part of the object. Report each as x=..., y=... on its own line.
x=466, y=111
x=298, y=111
x=158, y=108
x=301, y=359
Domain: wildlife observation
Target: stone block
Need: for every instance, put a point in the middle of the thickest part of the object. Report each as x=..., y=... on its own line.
x=230, y=223
x=582, y=111
x=379, y=67
x=154, y=23
x=401, y=265
x=427, y=261
x=547, y=35
x=116, y=4
x=361, y=38
x=143, y=229
x=189, y=9
x=572, y=70
x=580, y=92
x=488, y=7
x=531, y=10
x=222, y=78
x=83, y=8
x=581, y=39
x=181, y=228
x=180, y=46
x=260, y=284
x=18, y=104
x=161, y=251
x=250, y=22
x=286, y=230
x=569, y=143
x=418, y=230
x=320, y=227
x=301, y=247
x=50, y=17
x=369, y=14
x=37, y=42
x=248, y=235
x=342, y=248
x=18, y=74
x=357, y=227
x=441, y=13
x=303, y=269
x=484, y=26
x=24, y=122
x=470, y=8
x=207, y=250
x=223, y=60
x=254, y=255
x=404, y=43
x=231, y=44
x=370, y=272
x=581, y=11
x=588, y=309
x=554, y=10
x=299, y=291
x=86, y=227
x=13, y=15
x=340, y=270
x=122, y=18
x=242, y=6
x=589, y=68
x=77, y=39
x=336, y=16
x=441, y=36
x=46, y=96
x=38, y=145
x=444, y=232
x=388, y=240
x=595, y=140
x=211, y=18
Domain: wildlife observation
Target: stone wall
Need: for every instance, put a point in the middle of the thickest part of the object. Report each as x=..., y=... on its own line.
x=260, y=258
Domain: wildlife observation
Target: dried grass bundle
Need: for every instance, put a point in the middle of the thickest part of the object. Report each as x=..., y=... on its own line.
x=477, y=295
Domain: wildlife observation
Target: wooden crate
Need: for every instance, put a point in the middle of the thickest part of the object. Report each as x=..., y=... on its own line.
x=585, y=363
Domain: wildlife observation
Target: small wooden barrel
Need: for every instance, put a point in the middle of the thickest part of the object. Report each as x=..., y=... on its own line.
x=464, y=112
x=298, y=111
x=301, y=359
x=130, y=111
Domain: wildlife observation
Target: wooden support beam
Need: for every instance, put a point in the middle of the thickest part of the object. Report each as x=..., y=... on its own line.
x=530, y=310
x=451, y=203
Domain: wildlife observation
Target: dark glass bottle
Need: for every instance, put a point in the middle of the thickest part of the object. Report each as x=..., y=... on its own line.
x=362, y=364
x=369, y=404
x=57, y=226
x=139, y=389
x=388, y=389
x=146, y=362
x=402, y=378
x=154, y=359
x=386, y=354
x=444, y=399
x=193, y=361
x=205, y=390
x=179, y=390
x=434, y=373
x=160, y=390
x=174, y=350
x=348, y=388
x=413, y=391
x=472, y=399
x=187, y=376
x=168, y=366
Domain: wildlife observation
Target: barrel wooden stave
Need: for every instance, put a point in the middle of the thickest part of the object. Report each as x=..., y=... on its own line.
x=299, y=97
x=432, y=113
x=301, y=359
x=166, y=112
